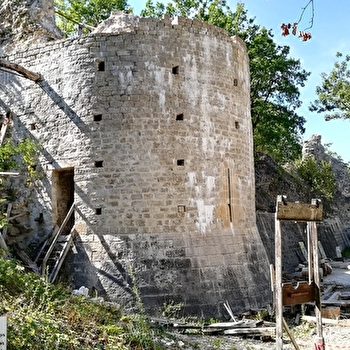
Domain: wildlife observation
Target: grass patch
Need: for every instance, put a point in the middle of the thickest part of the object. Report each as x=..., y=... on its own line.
x=45, y=316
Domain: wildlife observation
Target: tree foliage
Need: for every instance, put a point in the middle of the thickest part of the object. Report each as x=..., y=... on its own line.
x=319, y=176
x=88, y=12
x=275, y=77
x=20, y=156
x=334, y=91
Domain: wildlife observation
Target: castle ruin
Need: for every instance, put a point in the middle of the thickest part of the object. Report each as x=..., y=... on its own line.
x=145, y=126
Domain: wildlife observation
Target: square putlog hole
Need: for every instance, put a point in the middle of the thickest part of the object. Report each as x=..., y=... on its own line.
x=175, y=70
x=180, y=162
x=97, y=117
x=101, y=66
x=98, y=211
x=181, y=208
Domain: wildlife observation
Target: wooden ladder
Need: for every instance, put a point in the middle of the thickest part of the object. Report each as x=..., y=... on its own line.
x=55, y=246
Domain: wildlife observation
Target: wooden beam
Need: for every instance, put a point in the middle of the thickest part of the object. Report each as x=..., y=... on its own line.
x=278, y=285
x=26, y=259
x=21, y=70
x=250, y=331
x=8, y=212
x=290, y=211
x=3, y=245
x=291, y=335
x=324, y=320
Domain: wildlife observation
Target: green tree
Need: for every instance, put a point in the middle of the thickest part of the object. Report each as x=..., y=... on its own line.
x=19, y=156
x=87, y=12
x=275, y=77
x=319, y=177
x=334, y=91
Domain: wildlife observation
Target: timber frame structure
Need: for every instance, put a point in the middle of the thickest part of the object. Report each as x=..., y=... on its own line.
x=308, y=291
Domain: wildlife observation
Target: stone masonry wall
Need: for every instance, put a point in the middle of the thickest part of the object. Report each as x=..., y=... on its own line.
x=153, y=126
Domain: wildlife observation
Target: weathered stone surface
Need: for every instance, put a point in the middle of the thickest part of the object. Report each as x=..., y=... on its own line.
x=149, y=132
x=23, y=22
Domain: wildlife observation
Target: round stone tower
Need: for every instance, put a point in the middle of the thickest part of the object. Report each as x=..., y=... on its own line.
x=145, y=125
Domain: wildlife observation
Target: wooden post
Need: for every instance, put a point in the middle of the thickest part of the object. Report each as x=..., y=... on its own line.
x=278, y=279
x=319, y=341
x=309, y=253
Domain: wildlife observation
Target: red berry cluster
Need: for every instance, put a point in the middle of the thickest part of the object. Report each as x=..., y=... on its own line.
x=294, y=27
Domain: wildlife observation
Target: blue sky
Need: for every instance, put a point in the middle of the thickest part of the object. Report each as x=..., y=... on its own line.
x=330, y=34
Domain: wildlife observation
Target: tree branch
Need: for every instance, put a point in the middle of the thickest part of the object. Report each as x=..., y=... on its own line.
x=21, y=70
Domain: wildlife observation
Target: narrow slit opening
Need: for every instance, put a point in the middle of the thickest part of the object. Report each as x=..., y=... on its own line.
x=230, y=212
x=229, y=196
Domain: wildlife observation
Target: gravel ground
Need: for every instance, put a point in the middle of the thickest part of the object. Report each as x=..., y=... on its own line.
x=336, y=337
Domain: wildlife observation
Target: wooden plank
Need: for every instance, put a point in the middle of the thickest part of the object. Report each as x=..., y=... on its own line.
x=230, y=325
x=229, y=310
x=272, y=277
x=8, y=212
x=290, y=211
x=4, y=246
x=303, y=250
x=344, y=303
x=26, y=259
x=291, y=335
x=17, y=216
x=321, y=250
x=253, y=331
x=334, y=296
x=324, y=320
x=302, y=293
x=3, y=132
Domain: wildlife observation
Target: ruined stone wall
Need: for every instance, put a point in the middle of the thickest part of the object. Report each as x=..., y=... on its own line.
x=152, y=125
x=24, y=22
